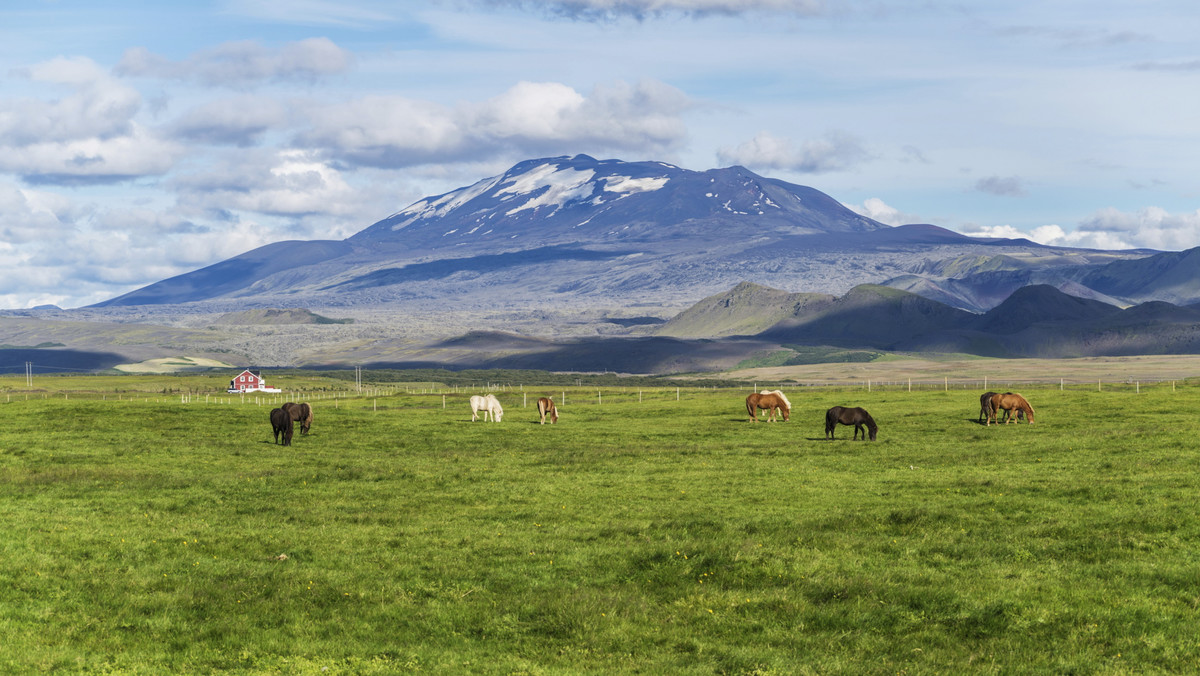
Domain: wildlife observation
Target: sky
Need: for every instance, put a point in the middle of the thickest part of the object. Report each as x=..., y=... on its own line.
x=140, y=139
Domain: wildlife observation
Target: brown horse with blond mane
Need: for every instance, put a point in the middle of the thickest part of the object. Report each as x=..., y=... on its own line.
x=770, y=403
x=546, y=407
x=1011, y=403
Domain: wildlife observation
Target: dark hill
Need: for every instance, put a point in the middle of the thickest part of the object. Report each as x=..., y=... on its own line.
x=869, y=316
x=1041, y=303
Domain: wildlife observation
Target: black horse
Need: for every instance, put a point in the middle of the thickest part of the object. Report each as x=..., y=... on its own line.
x=281, y=423
x=301, y=413
x=850, y=416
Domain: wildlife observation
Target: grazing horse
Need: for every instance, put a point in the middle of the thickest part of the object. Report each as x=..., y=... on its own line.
x=1009, y=402
x=301, y=413
x=490, y=406
x=281, y=423
x=850, y=416
x=781, y=395
x=546, y=407
x=985, y=403
x=771, y=402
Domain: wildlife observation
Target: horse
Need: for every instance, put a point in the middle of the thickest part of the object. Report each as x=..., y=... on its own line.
x=281, y=423
x=301, y=413
x=490, y=406
x=781, y=395
x=1009, y=402
x=546, y=407
x=985, y=404
x=771, y=402
x=850, y=416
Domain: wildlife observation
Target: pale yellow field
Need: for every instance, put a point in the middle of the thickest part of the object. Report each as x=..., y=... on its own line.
x=171, y=365
x=964, y=369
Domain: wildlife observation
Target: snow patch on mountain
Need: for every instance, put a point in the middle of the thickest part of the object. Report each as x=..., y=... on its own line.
x=630, y=185
x=436, y=207
x=558, y=186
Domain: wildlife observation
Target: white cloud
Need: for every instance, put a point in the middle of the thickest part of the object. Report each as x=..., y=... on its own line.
x=240, y=121
x=529, y=119
x=876, y=209
x=641, y=9
x=235, y=64
x=88, y=135
x=1004, y=186
x=835, y=151
x=98, y=105
x=1149, y=228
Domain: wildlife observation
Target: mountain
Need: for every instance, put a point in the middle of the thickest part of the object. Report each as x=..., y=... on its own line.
x=1040, y=304
x=1035, y=321
x=577, y=232
x=869, y=316
x=745, y=309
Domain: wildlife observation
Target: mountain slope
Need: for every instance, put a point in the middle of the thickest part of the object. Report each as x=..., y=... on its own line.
x=869, y=316
x=1039, y=304
x=746, y=309
x=576, y=232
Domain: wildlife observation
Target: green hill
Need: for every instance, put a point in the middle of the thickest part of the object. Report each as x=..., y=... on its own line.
x=746, y=309
x=273, y=316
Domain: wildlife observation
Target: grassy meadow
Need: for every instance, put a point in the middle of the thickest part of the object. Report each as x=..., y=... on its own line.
x=649, y=531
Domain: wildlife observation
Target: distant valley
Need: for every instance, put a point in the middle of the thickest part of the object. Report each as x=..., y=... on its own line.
x=573, y=263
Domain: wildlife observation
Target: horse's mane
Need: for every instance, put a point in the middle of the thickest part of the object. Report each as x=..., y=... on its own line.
x=781, y=395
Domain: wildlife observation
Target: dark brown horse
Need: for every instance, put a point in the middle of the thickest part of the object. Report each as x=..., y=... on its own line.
x=546, y=407
x=850, y=416
x=301, y=413
x=770, y=402
x=1009, y=402
x=985, y=402
x=281, y=424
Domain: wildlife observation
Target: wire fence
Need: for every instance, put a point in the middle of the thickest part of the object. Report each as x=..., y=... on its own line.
x=526, y=395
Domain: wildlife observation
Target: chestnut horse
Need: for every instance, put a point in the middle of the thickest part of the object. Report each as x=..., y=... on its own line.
x=281, y=424
x=1009, y=402
x=771, y=402
x=985, y=400
x=301, y=413
x=546, y=407
x=781, y=395
x=850, y=416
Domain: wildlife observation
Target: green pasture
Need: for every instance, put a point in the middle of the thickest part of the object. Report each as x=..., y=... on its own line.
x=650, y=531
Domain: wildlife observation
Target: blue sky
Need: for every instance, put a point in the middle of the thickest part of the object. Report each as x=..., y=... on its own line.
x=140, y=140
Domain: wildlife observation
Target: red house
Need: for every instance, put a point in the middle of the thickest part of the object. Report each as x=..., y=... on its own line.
x=250, y=381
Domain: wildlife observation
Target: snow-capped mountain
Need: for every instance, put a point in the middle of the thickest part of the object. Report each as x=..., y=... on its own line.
x=566, y=200
x=576, y=231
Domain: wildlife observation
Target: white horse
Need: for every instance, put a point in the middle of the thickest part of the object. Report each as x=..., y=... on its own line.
x=779, y=393
x=490, y=406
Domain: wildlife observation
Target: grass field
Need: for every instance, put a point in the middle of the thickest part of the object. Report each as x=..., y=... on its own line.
x=662, y=536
